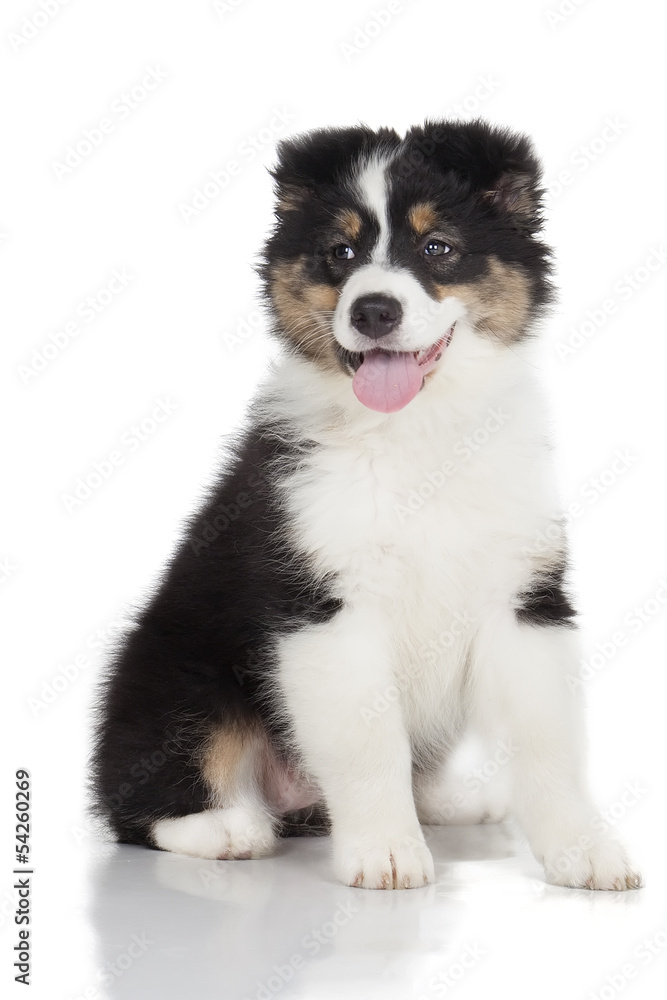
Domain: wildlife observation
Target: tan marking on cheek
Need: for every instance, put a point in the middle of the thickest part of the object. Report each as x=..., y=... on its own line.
x=350, y=223
x=498, y=303
x=322, y=297
x=423, y=217
x=300, y=305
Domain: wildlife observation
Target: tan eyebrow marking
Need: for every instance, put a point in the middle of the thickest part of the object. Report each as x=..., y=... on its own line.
x=423, y=217
x=350, y=222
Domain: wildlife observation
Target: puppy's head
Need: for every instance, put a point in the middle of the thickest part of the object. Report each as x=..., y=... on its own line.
x=383, y=244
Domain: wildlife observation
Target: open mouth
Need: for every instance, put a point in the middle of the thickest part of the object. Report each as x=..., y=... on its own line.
x=387, y=381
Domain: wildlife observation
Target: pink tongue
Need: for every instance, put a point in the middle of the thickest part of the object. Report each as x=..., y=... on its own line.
x=387, y=381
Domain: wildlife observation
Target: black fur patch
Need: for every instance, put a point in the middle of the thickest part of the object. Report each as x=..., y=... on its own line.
x=201, y=655
x=546, y=602
x=313, y=821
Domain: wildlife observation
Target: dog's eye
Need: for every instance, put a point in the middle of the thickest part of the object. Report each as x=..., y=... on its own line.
x=436, y=248
x=343, y=252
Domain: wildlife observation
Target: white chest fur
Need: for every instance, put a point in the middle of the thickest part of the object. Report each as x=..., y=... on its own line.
x=423, y=520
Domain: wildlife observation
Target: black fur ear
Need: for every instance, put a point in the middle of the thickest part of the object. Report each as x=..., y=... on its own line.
x=515, y=192
x=320, y=158
x=494, y=163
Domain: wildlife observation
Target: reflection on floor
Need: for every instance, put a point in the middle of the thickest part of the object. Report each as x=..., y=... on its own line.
x=175, y=927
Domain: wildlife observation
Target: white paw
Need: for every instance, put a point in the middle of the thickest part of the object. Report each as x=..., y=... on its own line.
x=395, y=863
x=222, y=834
x=601, y=865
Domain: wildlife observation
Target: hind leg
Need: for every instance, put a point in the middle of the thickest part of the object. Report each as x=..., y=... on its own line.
x=239, y=823
x=245, y=831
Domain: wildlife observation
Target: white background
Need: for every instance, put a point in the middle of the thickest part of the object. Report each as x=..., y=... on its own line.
x=228, y=83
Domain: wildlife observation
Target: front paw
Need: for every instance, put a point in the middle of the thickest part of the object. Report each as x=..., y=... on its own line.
x=400, y=862
x=591, y=865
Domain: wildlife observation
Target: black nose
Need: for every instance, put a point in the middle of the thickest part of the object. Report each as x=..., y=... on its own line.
x=376, y=315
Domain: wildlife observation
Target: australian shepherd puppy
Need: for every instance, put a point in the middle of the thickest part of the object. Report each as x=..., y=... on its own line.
x=381, y=563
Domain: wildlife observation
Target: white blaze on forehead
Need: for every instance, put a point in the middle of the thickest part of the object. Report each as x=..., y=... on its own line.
x=372, y=187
